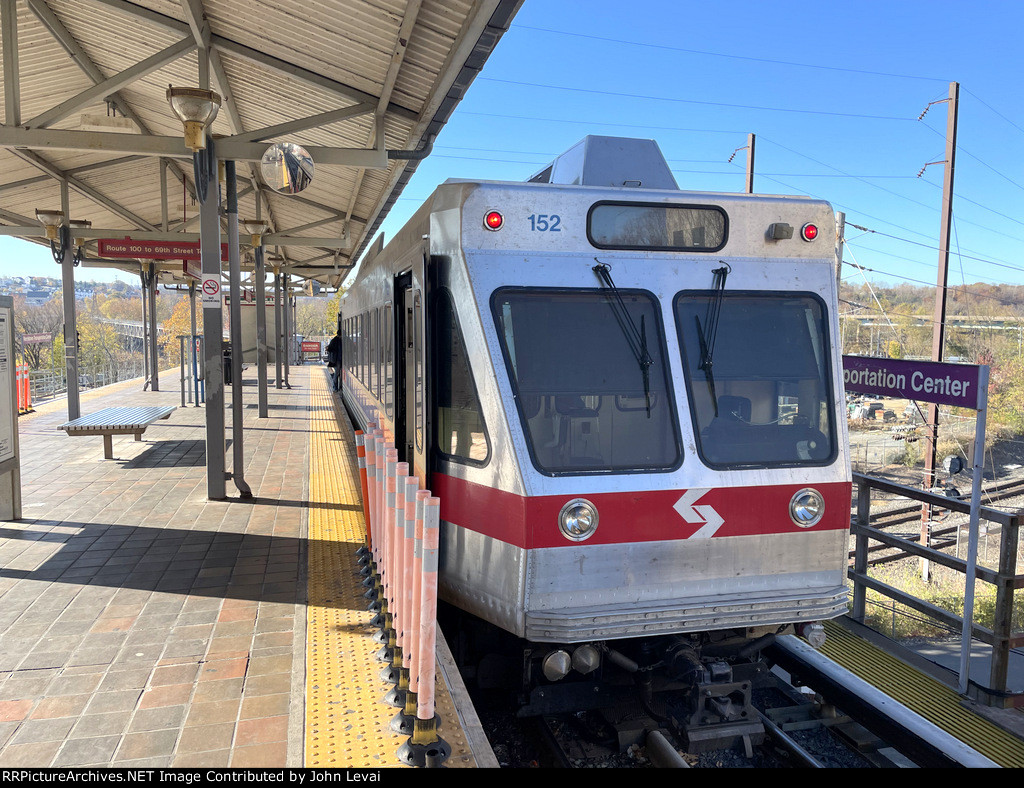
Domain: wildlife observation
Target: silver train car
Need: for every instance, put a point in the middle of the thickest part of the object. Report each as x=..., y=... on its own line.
x=628, y=398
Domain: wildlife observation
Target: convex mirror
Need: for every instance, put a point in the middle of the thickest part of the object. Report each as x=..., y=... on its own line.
x=287, y=168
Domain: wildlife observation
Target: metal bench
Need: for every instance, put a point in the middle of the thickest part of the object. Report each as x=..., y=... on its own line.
x=116, y=421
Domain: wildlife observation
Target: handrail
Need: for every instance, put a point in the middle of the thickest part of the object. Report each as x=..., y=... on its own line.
x=1005, y=578
x=937, y=499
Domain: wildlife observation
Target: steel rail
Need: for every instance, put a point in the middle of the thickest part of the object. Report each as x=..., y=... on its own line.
x=913, y=735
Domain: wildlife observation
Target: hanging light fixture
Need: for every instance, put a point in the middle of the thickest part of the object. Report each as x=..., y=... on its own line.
x=56, y=232
x=196, y=109
x=77, y=239
x=256, y=229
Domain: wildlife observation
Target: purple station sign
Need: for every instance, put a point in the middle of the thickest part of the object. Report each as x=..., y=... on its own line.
x=924, y=381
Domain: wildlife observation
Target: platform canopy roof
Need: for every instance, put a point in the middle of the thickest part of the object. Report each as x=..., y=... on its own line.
x=363, y=85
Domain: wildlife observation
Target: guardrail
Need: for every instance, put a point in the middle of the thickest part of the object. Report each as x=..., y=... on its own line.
x=1000, y=637
x=49, y=383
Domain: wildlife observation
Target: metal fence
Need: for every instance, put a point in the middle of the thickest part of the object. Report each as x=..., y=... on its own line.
x=878, y=542
x=49, y=383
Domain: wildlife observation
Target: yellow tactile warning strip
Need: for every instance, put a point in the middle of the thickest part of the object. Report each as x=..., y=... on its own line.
x=937, y=703
x=347, y=722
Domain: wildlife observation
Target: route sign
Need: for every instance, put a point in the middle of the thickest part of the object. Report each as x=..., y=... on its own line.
x=126, y=248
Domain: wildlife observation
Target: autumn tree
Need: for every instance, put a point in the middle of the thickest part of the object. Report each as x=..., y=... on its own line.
x=45, y=318
x=317, y=316
x=179, y=323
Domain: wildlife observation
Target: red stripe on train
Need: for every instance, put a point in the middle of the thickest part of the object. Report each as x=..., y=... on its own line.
x=627, y=517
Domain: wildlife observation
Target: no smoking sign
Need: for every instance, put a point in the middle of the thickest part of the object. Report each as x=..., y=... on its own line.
x=211, y=290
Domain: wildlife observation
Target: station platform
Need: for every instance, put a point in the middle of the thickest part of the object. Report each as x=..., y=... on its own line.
x=145, y=626
x=998, y=734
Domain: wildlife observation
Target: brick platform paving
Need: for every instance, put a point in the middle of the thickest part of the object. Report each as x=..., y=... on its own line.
x=141, y=624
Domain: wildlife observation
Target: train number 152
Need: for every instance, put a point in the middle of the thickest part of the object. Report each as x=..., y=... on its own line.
x=545, y=223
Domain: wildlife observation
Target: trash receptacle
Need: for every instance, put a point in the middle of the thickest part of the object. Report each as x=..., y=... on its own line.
x=227, y=364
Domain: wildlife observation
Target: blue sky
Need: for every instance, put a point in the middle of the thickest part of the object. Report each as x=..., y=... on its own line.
x=832, y=91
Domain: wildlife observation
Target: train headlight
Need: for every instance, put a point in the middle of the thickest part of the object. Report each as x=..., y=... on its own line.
x=578, y=520
x=586, y=659
x=807, y=507
x=556, y=665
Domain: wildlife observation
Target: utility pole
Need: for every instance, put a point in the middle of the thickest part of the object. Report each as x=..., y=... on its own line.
x=750, y=164
x=840, y=236
x=939, y=314
x=749, y=148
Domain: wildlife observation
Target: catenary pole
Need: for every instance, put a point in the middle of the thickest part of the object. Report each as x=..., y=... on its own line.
x=939, y=314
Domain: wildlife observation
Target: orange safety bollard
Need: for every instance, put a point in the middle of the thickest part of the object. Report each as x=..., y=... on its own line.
x=398, y=674
x=361, y=460
x=387, y=511
x=375, y=479
x=377, y=496
x=375, y=482
x=21, y=376
x=425, y=747
x=412, y=484
x=417, y=587
x=404, y=720
x=401, y=486
x=378, y=499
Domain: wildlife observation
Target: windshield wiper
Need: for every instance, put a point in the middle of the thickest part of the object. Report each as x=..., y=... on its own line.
x=707, y=333
x=636, y=339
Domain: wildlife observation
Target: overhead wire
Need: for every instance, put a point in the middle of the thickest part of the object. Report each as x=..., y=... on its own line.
x=987, y=261
x=728, y=55
x=672, y=99
x=992, y=109
x=896, y=194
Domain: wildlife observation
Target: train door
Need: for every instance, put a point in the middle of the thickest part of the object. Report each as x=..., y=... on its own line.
x=402, y=335
x=410, y=393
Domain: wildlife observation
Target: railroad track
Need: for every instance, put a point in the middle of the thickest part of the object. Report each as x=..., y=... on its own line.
x=903, y=736
x=801, y=730
x=941, y=536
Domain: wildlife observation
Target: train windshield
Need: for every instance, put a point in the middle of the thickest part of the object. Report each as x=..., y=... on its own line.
x=593, y=397
x=757, y=370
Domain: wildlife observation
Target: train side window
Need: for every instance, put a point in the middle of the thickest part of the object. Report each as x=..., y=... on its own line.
x=380, y=354
x=458, y=419
x=357, y=372
x=592, y=396
x=362, y=348
x=417, y=349
x=345, y=339
x=389, y=379
x=350, y=347
x=374, y=350
x=368, y=360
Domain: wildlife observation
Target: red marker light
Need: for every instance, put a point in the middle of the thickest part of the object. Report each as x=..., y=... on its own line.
x=493, y=220
x=809, y=232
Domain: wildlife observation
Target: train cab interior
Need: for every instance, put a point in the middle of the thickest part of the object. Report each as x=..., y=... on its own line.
x=601, y=398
